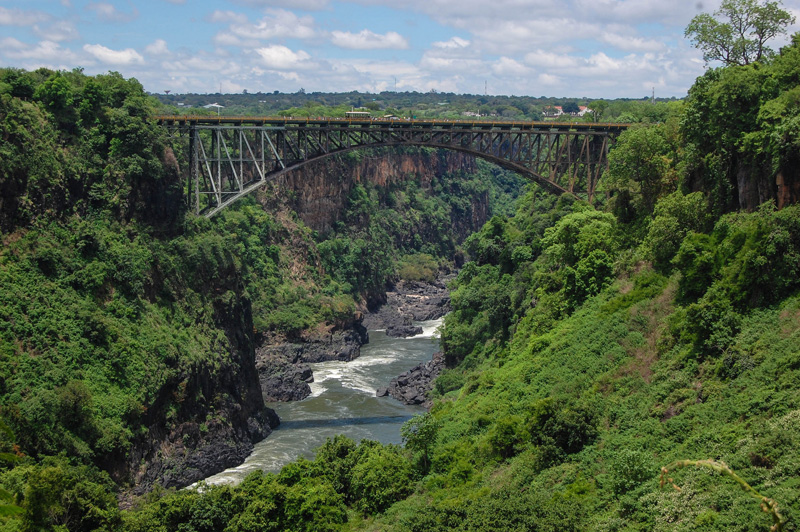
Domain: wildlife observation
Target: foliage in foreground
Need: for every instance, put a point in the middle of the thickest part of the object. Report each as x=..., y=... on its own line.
x=114, y=308
x=344, y=482
x=562, y=419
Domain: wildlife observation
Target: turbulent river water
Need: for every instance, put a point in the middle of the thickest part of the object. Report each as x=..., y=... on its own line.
x=343, y=401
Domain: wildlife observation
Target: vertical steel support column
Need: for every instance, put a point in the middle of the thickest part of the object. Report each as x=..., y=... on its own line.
x=217, y=152
x=190, y=175
x=194, y=167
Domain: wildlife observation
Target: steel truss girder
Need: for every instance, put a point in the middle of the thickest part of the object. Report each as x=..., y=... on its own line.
x=228, y=161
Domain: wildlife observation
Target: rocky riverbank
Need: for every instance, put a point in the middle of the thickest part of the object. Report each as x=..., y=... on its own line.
x=282, y=363
x=412, y=387
x=410, y=301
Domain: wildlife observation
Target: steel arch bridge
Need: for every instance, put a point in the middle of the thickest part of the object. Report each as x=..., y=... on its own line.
x=230, y=157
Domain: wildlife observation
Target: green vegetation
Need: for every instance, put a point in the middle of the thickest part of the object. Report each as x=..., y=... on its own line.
x=409, y=230
x=591, y=349
x=121, y=316
x=743, y=39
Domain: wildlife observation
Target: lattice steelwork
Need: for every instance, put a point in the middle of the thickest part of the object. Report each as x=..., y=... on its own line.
x=231, y=157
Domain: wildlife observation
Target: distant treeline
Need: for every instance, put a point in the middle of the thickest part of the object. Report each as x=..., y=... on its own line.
x=408, y=104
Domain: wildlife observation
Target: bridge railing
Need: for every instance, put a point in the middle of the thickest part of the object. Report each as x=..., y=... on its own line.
x=399, y=122
x=229, y=157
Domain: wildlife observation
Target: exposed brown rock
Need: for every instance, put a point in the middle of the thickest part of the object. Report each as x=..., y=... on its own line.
x=318, y=191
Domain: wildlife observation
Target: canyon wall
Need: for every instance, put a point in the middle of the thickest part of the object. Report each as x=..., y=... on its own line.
x=318, y=191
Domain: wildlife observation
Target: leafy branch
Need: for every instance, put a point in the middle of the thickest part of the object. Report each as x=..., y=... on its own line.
x=768, y=505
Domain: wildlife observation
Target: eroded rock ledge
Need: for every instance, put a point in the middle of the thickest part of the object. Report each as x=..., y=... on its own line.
x=282, y=363
x=410, y=301
x=412, y=387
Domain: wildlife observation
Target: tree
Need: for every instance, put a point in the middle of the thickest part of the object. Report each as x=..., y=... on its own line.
x=742, y=40
x=598, y=108
x=571, y=108
x=642, y=163
x=419, y=434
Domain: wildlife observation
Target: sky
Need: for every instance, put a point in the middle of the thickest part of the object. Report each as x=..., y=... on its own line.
x=568, y=48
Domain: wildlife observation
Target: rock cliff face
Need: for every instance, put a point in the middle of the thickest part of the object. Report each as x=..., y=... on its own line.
x=756, y=184
x=282, y=363
x=205, y=419
x=318, y=191
x=318, y=194
x=787, y=184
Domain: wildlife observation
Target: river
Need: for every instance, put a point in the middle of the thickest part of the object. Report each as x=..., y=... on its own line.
x=342, y=401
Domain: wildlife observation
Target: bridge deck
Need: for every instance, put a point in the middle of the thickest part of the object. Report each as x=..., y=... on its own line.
x=394, y=123
x=231, y=156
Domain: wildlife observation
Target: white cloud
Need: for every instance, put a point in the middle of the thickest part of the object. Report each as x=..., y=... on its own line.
x=435, y=64
x=18, y=17
x=632, y=44
x=127, y=56
x=59, y=30
x=518, y=36
x=280, y=57
x=277, y=24
x=108, y=13
x=455, y=56
x=197, y=64
x=455, y=43
x=505, y=66
x=228, y=17
x=552, y=60
x=548, y=80
x=45, y=51
x=157, y=47
x=644, y=11
x=228, y=39
x=368, y=40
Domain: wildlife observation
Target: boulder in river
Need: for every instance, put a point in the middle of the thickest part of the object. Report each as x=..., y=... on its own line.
x=403, y=331
x=413, y=386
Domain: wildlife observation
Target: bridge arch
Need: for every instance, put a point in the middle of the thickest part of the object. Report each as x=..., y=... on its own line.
x=231, y=157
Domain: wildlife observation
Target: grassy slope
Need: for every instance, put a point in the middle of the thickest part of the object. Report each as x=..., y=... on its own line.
x=560, y=417
x=571, y=423
x=651, y=408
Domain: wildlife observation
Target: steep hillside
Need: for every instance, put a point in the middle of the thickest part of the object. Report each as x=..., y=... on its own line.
x=128, y=329
x=628, y=366
x=573, y=381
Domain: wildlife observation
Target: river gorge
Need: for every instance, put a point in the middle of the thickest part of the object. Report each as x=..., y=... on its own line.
x=343, y=401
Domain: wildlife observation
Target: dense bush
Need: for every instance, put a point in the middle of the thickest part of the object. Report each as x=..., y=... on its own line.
x=586, y=349
x=408, y=231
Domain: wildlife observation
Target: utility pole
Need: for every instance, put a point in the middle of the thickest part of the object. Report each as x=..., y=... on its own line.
x=653, y=99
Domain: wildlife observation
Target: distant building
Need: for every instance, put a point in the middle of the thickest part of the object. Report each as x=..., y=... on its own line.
x=552, y=111
x=470, y=113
